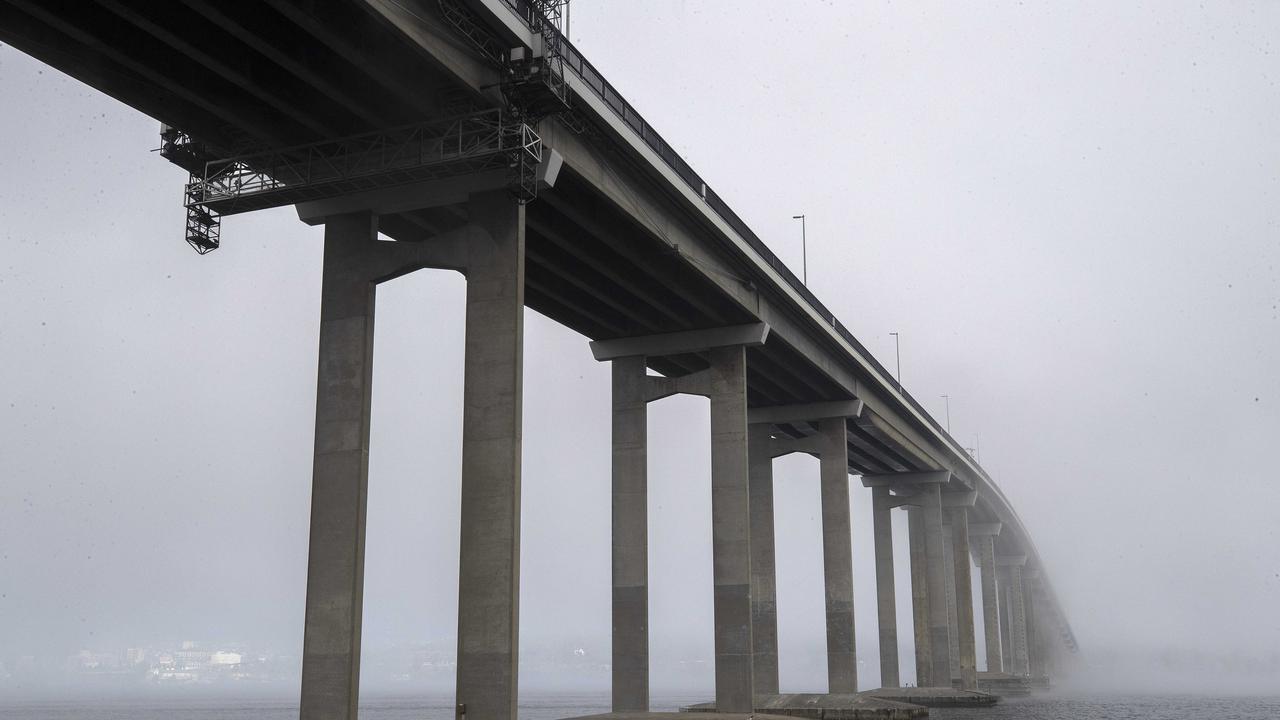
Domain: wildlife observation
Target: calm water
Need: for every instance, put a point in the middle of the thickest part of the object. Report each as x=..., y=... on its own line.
x=552, y=707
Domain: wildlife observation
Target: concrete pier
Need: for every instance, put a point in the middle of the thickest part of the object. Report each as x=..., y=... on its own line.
x=939, y=636
x=1017, y=615
x=959, y=517
x=764, y=605
x=984, y=538
x=1006, y=646
x=493, y=356
x=730, y=529
x=886, y=596
x=837, y=558
x=920, y=597
x=340, y=473
x=953, y=631
x=630, y=535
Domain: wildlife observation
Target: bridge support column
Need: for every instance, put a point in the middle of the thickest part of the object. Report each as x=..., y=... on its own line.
x=886, y=598
x=984, y=535
x=1035, y=636
x=922, y=492
x=939, y=636
x=964, y=597
x=837, y=557
x=489, y=569
x=725, y=383
x=730, y=529
x=1017, y=615
x=764, y=578
x=953, y=625
x=920, y=597
x=1006, y=621
x=630, y=536
x=340, y=474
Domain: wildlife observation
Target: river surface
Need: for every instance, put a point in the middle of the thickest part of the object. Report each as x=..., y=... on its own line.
x=553, y=707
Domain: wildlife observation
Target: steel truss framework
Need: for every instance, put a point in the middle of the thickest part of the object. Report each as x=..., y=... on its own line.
x=474, y=143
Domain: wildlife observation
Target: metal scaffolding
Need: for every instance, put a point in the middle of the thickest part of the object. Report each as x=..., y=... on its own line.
x=479, y=142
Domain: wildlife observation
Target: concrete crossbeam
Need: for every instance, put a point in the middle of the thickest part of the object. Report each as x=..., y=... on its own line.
x=805, y=411
x=680, y=343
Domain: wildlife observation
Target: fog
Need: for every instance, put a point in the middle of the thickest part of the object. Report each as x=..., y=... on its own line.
x=1070, y=214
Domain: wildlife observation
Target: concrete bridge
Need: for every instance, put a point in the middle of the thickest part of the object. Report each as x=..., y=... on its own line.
x=479, y=140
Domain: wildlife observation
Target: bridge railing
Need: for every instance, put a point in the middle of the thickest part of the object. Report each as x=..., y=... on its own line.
x=575, y=61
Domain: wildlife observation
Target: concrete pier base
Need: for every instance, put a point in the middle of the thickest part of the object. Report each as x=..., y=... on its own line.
x=1004, y=684
x=826, y=706
x=936, y=697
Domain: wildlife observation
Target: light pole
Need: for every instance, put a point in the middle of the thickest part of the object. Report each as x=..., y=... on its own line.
x=804, y=251
x=897, y=351
x=948, y=399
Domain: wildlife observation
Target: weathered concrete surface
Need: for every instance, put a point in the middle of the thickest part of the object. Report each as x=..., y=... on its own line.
x=489, y=567
x=630, y=536
x=953, y=623
x=730, y=529
x=938, y=697
x=764, y=605
x=920, y=596
x=1004, y=684
x=1006, y=622
x=827, y=706
x=964, y=597
x=709, y=715
x=340, y=474
x=886, y=597
x=939, y=635
x=837, y=557
x=1018, y=621
x=990, y=602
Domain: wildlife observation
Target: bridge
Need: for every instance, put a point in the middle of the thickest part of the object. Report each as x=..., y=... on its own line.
x=476, y=138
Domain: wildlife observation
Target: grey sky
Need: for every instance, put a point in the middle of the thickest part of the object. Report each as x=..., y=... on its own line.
x=1070, y=213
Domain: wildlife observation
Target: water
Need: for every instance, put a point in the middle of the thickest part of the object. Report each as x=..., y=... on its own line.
x=553, y=707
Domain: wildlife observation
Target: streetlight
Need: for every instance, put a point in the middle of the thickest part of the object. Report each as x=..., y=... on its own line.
x=948, y=399
x=897, y=350
x=804, y=251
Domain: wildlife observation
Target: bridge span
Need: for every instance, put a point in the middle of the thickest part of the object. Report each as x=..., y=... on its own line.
x=480, y=140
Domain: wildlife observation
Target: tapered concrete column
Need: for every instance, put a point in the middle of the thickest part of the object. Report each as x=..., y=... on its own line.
x=959, y=517
x=1017, y=615
x=986, y=546
x=1006, y=621
x=837, y=557
x=953, y=635
x=940, y=645
x=764, y=604
x=730, y=528
x=920, y=597
x=886, y=599
x=630, y=536
x=1035, y=657
x=489, y=570
x=340, y=474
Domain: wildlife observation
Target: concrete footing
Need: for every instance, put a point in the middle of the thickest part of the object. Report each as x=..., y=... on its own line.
x=824, y=706
x=936, y=697
x=1004, y=684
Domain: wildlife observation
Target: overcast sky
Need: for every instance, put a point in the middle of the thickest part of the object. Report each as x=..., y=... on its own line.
x=1070, y=214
